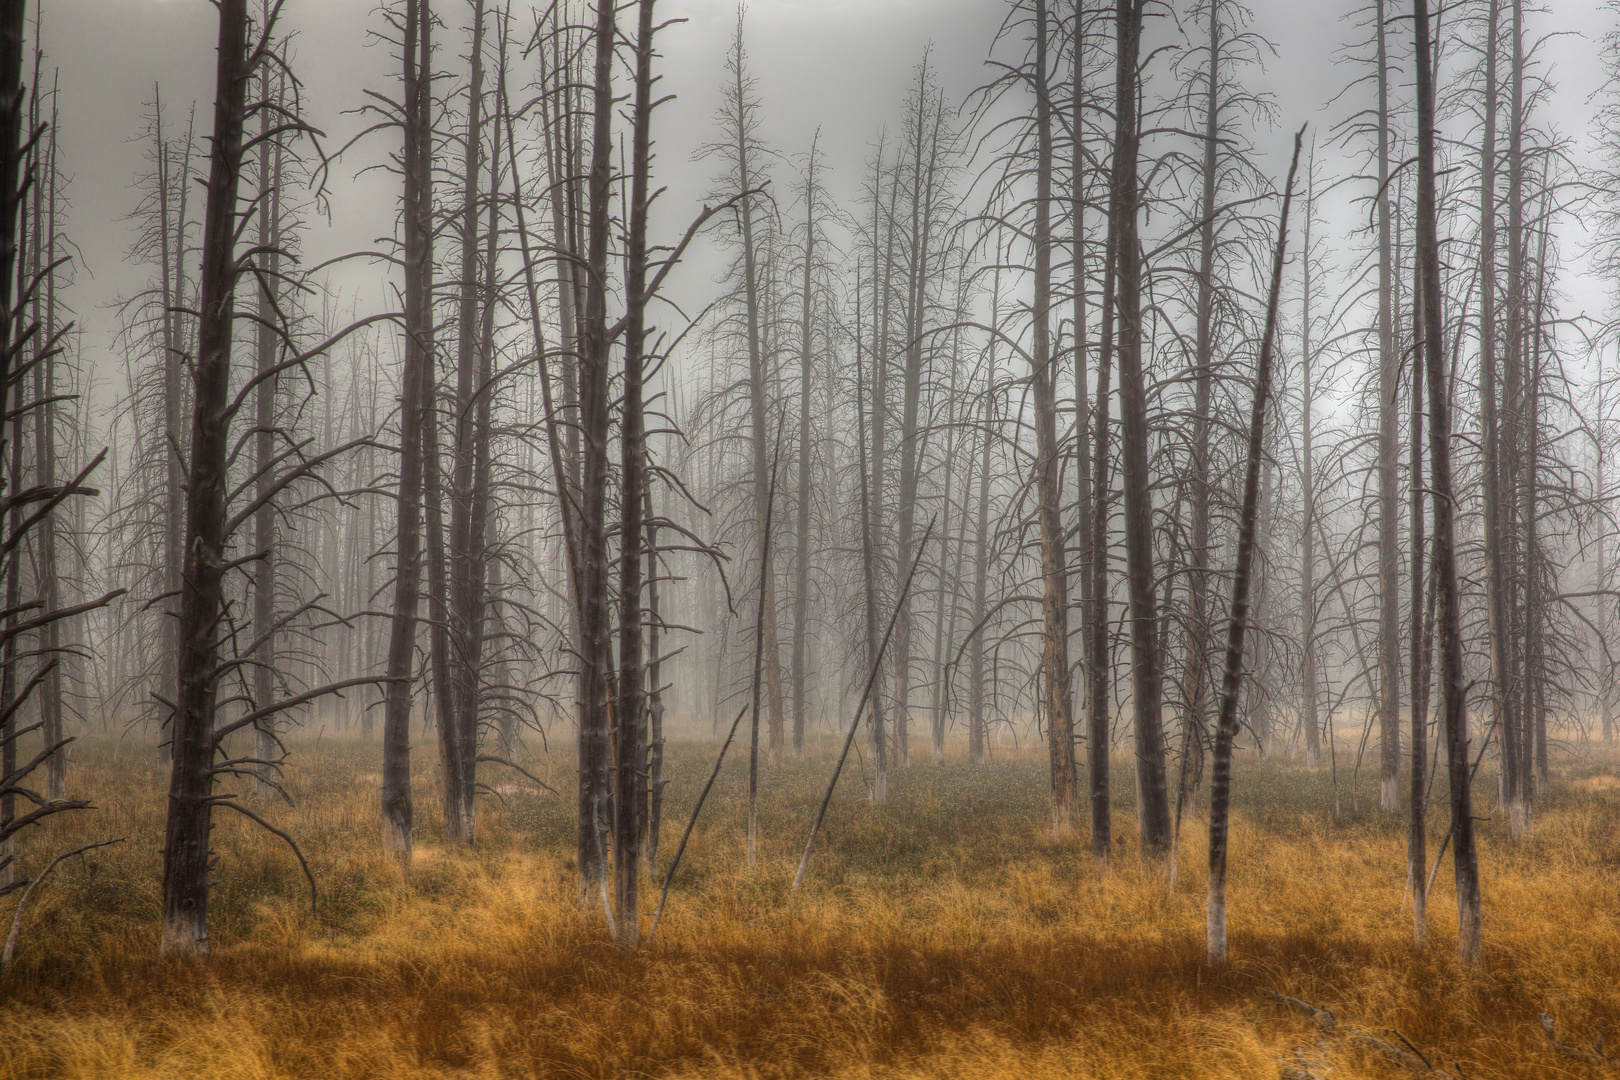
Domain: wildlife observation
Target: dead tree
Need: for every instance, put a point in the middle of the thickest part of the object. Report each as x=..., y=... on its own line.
x=416, y=167
x=801, y=590
x=1153, y=803
x=1422, y=618
x=1220, y=788
x=1309, y=692
x=596, y=808
x=264, y=437
x=1389, y=616
x=1453, y=691
x=1054, y=570
x=458, y=693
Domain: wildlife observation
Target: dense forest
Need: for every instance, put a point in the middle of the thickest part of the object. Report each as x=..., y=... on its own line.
x=1117, y=517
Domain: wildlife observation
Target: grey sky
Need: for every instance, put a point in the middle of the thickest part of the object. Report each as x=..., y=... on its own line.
x=839, y=64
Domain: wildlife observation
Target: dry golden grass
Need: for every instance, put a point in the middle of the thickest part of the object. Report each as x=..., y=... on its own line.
x=944, y=935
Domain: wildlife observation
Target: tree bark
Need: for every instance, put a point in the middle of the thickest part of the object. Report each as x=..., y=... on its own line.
x=415, y=375
x=264, y=520
x=1310, y=722
x=758, y=402
x=186, y=853
x=459, y=697
x=1153, y=799
x=801, y=591
x=1220, y=788
x=1417, y=807
x=1195, y=728
x=1054, y=580
x=1453, y=690
x=981, y=547
x=630, y=738
x=595, y=810
x=1389, y=603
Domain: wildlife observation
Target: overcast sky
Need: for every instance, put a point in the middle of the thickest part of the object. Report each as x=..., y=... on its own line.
x=841, y=65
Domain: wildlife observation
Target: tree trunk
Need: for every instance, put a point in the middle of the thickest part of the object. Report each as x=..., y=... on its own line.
x=1220, y=788
x=415, y=376
x=801, y=591
x=1195, y=677
x=264, y=520
x=1055, y=593
x=758, y=402
x=458, y=728
x=629, y=742
x=595, y=810
x=186, y=854
x=1453, y=691
x=1310, y=722
x=922, y=208
x=50, y=689
x=1417, y=808
x=1082, y=401
x=981, y=546
x=880, y=757
x=1389, y=380
x=1099, y=731
x=1153, y=799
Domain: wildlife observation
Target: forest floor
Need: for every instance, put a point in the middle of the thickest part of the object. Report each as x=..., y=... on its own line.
x=944, y=934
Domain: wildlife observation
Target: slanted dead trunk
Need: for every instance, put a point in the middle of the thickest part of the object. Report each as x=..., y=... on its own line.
x=1220, y=788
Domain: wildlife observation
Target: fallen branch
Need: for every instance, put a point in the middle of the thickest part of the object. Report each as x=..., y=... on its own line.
x=1594, y=1056
x=855, y=724
x=669, y=875
x=1332, y=1027
x=495, y=759
x=22, y=905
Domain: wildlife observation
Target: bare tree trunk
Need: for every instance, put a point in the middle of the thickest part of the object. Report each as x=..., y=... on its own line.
x=755, y=674
x=801, y=591
x=1220, y=788
x=1516, y=571
x=595, y=708
x=1533, y=768
x=415, y=378
x=186, y=854
x=882, y=304
x=50, y=690
x=1417, y=809
x=1503, y=721
x=629, y=742
x=922, y=209
x=880, y=758
x=13, y=253
x=981, y=547
x=655, y=697
x=264, y=520
x=1309, y=692
x=1195, y=728
x=458, y=692
x=1099, y=731
x=757, y=389
x=947, y=579
x=1454, y=693
x=1153, y=798
x=1082, y=400
x=1055, y=593
x=173, y=404
x=1389, y=380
